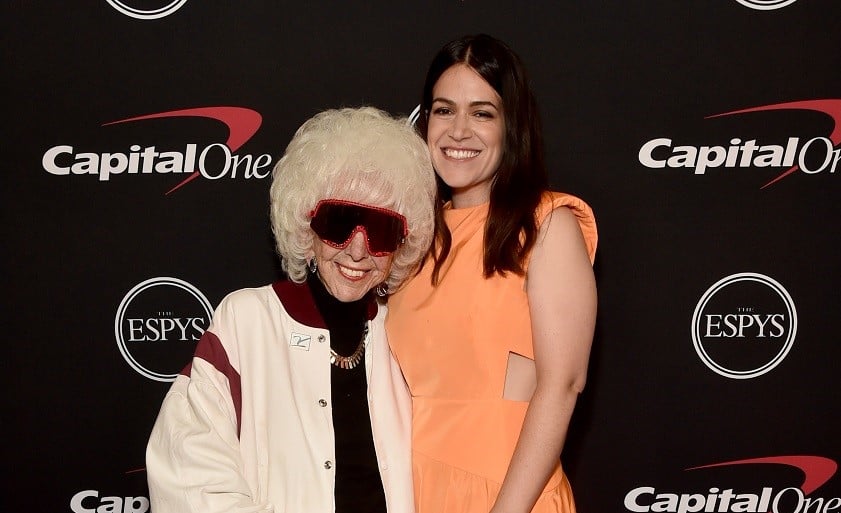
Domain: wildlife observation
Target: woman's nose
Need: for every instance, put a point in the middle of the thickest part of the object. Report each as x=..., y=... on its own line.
x=460, y=128
x=358, y=247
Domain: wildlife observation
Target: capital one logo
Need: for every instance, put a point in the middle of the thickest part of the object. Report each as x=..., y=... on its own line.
x=91, y=501
x=744, y=325
x=157, y=326
x=809, y=155
x=213, y=161
x=766, y=5
x=164, y=8
x=724, y=497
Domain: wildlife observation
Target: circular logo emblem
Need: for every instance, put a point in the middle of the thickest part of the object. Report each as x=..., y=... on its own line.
x=766, y=5
x=744, y=325
x=158, y=324
x=147, y=14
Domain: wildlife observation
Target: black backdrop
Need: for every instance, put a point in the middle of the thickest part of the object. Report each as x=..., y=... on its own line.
x=717, y=341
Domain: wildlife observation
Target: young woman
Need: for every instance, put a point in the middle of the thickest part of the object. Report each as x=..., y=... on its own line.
x=494, y=334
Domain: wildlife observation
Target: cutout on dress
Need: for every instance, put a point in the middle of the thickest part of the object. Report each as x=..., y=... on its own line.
x=520, y=378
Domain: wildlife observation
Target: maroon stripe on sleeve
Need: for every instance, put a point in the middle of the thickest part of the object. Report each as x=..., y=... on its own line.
x=210, y=350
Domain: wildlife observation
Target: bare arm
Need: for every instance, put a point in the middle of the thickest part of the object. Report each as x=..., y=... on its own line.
x=562, y=302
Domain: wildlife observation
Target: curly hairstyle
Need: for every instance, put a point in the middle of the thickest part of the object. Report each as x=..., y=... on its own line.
x=362, y=155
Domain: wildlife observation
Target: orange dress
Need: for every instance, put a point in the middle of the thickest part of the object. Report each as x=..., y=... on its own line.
x=452, y=342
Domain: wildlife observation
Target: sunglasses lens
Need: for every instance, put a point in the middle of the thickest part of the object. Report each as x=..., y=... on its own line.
x=385, y=232
x=331, y=225
x=336, y=222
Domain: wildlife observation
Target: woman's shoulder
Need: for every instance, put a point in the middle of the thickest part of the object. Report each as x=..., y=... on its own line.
x=244, y=301
x=553, y=200
x=247, y=294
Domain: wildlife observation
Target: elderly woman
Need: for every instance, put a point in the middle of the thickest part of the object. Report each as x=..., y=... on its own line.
x=293, y=402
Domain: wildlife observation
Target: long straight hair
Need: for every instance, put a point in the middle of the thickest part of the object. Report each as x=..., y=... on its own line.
x=520, y=180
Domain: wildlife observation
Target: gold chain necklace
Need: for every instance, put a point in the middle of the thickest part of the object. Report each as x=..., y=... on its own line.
x=349, y=362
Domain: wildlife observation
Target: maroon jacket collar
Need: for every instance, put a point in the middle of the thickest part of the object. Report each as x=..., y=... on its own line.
x=298, y=302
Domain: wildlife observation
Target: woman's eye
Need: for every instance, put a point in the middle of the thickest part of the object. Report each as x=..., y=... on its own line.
x=441, y=111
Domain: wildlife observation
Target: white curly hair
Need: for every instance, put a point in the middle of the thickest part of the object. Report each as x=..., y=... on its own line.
x=362, y=155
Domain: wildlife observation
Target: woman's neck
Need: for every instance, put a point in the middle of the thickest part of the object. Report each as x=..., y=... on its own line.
x=344, y=320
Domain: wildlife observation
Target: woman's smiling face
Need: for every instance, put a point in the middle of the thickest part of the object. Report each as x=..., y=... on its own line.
x=465, y=134
x=349, y=273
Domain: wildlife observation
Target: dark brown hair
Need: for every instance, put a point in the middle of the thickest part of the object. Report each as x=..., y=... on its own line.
x=521, y=179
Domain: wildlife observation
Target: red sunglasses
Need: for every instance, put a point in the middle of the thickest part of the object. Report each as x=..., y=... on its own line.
x=337, y=221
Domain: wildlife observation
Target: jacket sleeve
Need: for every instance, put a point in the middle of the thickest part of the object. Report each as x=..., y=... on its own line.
x=193, y=459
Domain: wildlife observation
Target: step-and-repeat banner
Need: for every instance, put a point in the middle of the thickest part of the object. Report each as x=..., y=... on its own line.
x=139, y=141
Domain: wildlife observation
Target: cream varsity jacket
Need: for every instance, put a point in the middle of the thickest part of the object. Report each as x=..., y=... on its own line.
x=247, y=426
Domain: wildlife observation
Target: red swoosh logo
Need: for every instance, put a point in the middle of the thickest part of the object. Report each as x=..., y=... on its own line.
x=242, y=124
x=831, y=108
x=816, y=469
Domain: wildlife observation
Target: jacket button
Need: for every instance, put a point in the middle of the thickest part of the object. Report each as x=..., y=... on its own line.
x=328, y=464
x=322, y=338
x=322, y=403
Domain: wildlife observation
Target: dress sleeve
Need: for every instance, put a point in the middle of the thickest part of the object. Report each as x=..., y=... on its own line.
x=193, y=459
x=582, y=211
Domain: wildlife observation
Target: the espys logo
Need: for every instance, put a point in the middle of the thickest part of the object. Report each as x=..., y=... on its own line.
x=810, y=156
x=158, y=324
x=213, y=162
x=766, y=5
x=727, y=498
x=744, y=325
x=163, y=8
